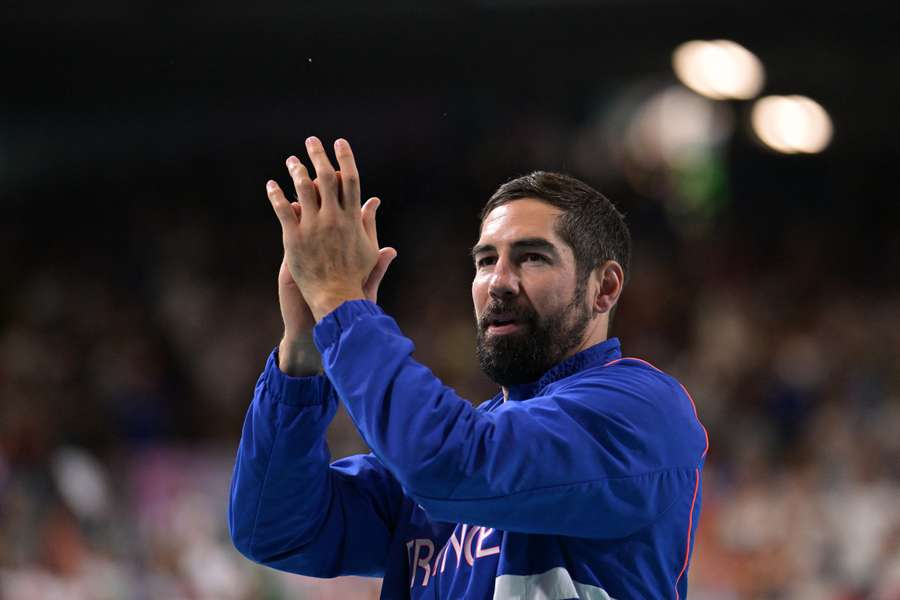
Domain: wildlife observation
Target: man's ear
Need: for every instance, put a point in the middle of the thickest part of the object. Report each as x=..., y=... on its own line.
x=609, y=279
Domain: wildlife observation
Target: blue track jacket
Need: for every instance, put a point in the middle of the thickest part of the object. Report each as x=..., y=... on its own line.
x=584, y=484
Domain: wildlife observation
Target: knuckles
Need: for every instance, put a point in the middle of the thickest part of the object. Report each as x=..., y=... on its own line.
x=327, y=176
x=350, y=178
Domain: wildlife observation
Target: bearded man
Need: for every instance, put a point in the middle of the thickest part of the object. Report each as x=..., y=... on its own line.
x=581, y=478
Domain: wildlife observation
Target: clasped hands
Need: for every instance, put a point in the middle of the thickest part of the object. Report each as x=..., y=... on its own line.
x=330, y=243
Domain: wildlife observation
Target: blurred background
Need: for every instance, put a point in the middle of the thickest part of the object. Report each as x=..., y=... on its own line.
x=753, y=148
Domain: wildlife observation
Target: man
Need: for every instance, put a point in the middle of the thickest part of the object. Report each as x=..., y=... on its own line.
x=581, y=479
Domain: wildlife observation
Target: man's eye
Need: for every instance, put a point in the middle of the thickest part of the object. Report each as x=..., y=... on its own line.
x=533, y=258
x=486, y=261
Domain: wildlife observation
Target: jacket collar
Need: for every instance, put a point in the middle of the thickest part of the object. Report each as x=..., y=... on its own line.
x=596, y=355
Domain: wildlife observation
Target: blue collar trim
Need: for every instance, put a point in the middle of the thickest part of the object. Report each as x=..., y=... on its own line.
x=598, y=354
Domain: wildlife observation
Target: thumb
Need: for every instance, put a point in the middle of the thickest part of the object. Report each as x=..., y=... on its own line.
x=368, y=218
x=385, y=257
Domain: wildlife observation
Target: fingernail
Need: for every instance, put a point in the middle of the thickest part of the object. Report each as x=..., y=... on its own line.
x=291, y=161
x=271, y=185
x=311, y=140
x=340, y=144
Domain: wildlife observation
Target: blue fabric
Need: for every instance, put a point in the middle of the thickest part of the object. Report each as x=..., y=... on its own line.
x=596, y=468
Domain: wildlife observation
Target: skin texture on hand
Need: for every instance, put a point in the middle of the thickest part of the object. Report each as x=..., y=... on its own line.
x=331, y=249
x=297, y=354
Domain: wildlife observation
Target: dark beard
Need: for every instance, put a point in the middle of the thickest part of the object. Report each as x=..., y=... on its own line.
x=538, y=345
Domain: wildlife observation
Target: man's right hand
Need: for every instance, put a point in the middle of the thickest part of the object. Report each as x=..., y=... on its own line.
x=297, y=354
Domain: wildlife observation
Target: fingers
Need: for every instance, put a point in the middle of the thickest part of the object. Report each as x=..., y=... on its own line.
x=284, y=273
x=326, y=179
x=330, y=189
x=368, y=218
x=307, y=193
x=348, y=177
x=385, y=258
x=281, y=206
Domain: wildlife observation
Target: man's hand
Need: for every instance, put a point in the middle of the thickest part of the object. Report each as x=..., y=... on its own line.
x=328, y=242
x=332, y=247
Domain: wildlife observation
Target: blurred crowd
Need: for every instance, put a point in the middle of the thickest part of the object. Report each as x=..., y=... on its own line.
x=126, y=367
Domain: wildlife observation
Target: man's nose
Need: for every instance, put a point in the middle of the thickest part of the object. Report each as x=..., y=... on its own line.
x=504, y=280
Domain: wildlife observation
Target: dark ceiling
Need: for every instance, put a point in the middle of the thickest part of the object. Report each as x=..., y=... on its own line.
x=96, y=87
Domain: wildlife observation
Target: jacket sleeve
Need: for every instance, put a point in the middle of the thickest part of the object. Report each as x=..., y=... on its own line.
x=288, y=508
x=603, y=457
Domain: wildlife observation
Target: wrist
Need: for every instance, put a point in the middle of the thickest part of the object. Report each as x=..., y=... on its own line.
x=298, y=356
x=326, y=301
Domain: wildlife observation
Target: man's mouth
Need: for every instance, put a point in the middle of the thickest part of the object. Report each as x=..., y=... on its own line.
x=502, y=325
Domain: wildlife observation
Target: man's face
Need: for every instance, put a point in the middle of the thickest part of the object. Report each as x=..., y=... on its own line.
x=529, y=311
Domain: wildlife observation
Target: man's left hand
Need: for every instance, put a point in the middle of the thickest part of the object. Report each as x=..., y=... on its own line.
x=330, y=244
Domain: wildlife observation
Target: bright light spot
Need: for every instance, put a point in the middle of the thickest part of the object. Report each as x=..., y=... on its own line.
x=719, y=69
x=791, y=124
x=674, y=124
x=82, y=481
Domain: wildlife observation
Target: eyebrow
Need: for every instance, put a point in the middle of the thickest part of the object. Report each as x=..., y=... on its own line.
x=535, y=243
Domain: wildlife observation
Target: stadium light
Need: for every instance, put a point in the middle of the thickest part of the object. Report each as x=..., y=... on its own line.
x=791, y=124
x=719, y=69
x=674, y=124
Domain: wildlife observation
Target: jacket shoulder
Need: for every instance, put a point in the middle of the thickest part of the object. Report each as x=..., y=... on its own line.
x=635, y=391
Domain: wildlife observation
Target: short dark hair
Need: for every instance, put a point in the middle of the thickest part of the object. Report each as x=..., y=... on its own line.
x=590, y=223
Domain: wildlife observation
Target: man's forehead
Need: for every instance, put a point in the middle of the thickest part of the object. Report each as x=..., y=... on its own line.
x=527, y=217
